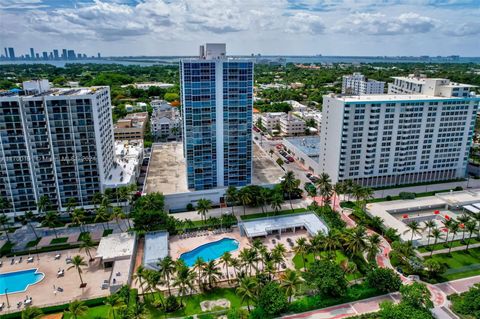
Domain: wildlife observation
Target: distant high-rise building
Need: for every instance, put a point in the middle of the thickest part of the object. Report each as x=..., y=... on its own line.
x=64, y=54
x=217, y=102
x=45, y=55
x=357, y=84
x=37, y=56
x=11, y=53
x=6, y=53
x=79, y=55
x=98, y=55
x=32, y=53
x=59, y=144
x=71, y=54
x=55, y=54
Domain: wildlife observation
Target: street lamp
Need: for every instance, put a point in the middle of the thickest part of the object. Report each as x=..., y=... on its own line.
x=6, y=296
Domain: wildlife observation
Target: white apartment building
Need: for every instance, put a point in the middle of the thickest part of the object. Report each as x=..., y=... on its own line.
x=161, y=105
x=56, y=143
x=413, y=84
x=292, y=125
x=271, y=120
x=382, y=140
x=166, y=124
x=357, y=84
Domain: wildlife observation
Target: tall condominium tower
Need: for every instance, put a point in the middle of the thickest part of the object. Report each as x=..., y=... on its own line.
x=382, y=140
x=357, y=84
x=217, y=101
x=56, y=143
x=11, y=53
x=32, y=53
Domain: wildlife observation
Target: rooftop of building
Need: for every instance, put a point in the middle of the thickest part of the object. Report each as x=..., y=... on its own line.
x=167, y=169
x=309, y=145
x=128, y=156
x=116, y=246
x=394, y=97
x=156, y=248
x=422, y=79
x=263, y=226
x=52, y=92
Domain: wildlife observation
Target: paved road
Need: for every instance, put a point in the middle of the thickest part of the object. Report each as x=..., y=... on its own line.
x=373, y=304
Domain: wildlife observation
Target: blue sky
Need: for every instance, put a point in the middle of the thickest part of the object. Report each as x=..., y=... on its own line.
x=176, y=27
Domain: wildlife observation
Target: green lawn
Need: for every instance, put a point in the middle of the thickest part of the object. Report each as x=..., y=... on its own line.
x=82, y=235
x=267, y=214
x=192, y=303
x=460, y=264
x=33, y=243
x=93, y=312
x=443, y=245
x=340, y=256
x=59, y=240
x=6, y=248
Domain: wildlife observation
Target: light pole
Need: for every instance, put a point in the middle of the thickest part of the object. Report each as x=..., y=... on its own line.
x=6, y=296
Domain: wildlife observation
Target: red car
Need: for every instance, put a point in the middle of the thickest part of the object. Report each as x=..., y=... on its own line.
x=279, y=146
x=290, y=159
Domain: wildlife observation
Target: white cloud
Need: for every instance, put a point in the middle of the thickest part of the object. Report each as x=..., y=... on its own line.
x=381, y=24
x=303, y=22
x=464, y=29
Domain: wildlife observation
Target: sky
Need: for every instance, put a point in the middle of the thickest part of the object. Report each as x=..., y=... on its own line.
x=268, y=27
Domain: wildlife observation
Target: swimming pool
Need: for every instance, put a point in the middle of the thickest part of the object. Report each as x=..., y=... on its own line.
x=209, y=251
x=18, y=281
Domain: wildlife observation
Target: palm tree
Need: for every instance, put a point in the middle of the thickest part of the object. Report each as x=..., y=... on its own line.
x=301, y=248
x=276, y=201
x=78, y=262
x=235, y=264
x=331, y=243
x=51, y=220
x=4, y=204
x=97, y=199
x=338, y=188
x=373, y=246
x=470, y=226
x=102, y=216
x=436, y=234
x=248, y=258
x=29, y=217
x=290, y=183
x=32, y=313
x=264, y=198
x=356, y=240
x=247, y=290
x=71, y=204
x=429, y=224
x=291, y=282
x=78, y=216
x=231, y=196
x=203, y=206
x=117, y=215
x=245, y=197
x=114, y=302
x=167, y=269
x=87, y=244
x=226, y=259
x=5, y=221
x=184, y=281
x=152, y=280
x=278, y=253
x=414, y=227
x=454, y=228
x=199, y=266
x=43, y=204
x=212, y=272
x=463, y=220
x=447, y=223
x=357, y=192
x=139, y=276
x=367, y=193
x=77, y=308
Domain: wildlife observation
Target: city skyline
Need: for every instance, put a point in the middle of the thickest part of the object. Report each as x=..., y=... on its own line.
x=10, y=53
x=156, y=28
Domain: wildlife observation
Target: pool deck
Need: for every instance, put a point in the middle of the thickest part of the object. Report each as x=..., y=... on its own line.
x=42, y=293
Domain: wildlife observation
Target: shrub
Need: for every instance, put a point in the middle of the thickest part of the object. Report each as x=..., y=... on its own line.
x=384, y=279
x=171, y=304
x=407, y=195
x=237, y=313
x=327, y=278
x=272, y=299
x=190, y=207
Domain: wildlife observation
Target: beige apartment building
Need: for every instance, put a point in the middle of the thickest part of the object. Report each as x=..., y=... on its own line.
x=131, y=127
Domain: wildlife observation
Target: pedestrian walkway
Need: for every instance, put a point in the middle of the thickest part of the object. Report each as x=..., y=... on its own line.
x=446, y=250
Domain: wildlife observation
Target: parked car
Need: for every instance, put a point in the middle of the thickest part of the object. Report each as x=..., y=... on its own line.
x=309, y=175
x=309, y=186
x=279, y=146
x=290, y=159
x=314, y=179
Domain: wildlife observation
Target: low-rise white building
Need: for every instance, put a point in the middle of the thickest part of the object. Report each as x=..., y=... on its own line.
x=358, y=84
x=128, y=161
x=160, y=105
x=271, y=120
x=420, y=84
x=292, y=125
x=166, y=123
x=147, y=85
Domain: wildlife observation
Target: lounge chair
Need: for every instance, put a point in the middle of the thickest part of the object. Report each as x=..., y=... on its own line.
x=2, y=305
x=30, y=260
x=57, y=256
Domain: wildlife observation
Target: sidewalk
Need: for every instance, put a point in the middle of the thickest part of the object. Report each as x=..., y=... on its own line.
x=373, y=304
x=444, y=251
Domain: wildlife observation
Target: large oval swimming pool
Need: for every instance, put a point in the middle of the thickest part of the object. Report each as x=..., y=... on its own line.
x=18, y=281
x=209, y=251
